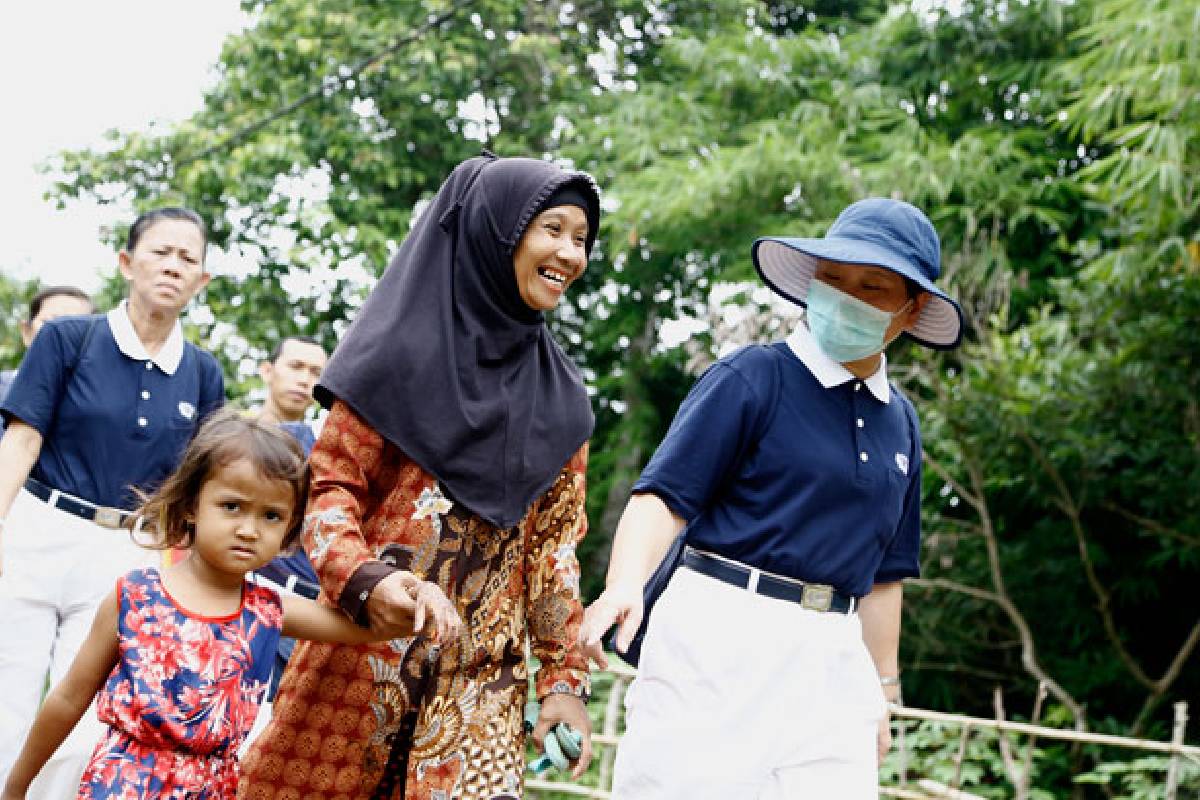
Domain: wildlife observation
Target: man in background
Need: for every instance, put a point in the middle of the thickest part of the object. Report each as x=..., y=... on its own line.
x=48, y=304
x=290, y=373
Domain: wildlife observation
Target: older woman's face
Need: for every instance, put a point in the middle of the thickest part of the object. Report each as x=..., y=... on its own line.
x=166, y=268
x=551, y=255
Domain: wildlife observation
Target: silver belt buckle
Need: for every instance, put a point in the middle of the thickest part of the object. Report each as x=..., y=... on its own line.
x=816, y=597
x=107, y=517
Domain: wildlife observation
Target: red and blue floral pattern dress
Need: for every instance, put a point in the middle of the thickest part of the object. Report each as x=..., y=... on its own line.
x=183, y=695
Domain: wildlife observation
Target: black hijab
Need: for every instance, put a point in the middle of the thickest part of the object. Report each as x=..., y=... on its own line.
x=447, y=362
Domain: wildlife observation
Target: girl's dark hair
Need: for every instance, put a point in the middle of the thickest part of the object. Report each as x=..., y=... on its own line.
x=224, y=438
x=147, y=220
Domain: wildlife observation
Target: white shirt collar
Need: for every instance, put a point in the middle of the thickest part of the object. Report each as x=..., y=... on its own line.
x=829, y=372
x=168, y=356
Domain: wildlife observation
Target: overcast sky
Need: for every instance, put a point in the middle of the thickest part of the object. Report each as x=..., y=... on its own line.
x=70, y=70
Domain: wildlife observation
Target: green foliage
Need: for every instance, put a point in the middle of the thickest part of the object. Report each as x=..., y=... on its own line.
x=1141, y=779
x=937, y=751
x=14, y=309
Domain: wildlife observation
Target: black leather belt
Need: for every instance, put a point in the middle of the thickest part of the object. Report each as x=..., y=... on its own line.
x=104, y=516
x=281, y=577
x=812, y=596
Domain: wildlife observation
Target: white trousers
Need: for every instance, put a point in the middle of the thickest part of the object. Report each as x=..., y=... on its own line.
x=742, y=696
x=57, y=569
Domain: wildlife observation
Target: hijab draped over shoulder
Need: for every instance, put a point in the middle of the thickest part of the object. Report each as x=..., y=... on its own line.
x=447, y=362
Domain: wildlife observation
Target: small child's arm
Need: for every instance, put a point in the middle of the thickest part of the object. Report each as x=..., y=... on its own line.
x=66, y=703
x=430, y=614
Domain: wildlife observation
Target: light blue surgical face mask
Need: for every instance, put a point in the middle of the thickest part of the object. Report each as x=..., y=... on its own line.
x=846, y=328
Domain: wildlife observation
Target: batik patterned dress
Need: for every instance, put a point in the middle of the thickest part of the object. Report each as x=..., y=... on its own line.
x=183, y=695
x=336, y=730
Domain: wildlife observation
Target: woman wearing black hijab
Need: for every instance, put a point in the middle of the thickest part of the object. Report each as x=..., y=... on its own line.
x=455, y=448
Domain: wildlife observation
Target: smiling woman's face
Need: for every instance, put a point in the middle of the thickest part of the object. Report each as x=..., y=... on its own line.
x=551, y=255
x=166, y=267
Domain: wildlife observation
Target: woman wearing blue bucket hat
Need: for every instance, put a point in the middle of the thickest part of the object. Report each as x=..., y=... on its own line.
x=792, y=477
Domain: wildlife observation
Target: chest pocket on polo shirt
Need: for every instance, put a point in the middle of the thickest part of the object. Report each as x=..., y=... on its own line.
x=891, y=502
x=179, y=429
x=184, y=414
x=899, y=466
x=183, y=411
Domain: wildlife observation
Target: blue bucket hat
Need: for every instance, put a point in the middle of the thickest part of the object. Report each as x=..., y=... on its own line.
x=880, y=232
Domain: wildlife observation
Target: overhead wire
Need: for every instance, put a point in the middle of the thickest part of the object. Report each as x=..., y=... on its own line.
x=329, y=84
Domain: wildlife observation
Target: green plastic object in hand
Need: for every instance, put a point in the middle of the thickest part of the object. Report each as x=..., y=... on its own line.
x=562, y=745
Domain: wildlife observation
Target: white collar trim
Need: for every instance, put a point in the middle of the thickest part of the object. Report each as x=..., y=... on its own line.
x=829, y=372
x=169, y=355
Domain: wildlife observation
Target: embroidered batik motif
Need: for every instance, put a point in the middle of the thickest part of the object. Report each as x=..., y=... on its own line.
x=340, y=708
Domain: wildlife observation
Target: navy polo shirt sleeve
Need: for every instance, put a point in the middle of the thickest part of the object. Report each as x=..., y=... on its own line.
x=701, y=450
x=902, y=557
x=38, y=387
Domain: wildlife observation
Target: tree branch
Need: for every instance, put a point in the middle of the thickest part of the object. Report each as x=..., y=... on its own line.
x=1151, y=525
x=1066, y=502
x=1157, y=686
x=945, y=475
x=1168, y=677
x=1028, y=657
x=1001, y=597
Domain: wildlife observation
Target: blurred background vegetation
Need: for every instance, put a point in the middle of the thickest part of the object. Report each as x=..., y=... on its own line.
x=1056, y=145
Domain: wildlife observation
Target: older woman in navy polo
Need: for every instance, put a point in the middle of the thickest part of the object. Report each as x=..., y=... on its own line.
x=102, y=404
x=793, y=472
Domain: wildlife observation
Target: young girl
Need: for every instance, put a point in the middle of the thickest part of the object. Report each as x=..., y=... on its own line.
x=179, y=660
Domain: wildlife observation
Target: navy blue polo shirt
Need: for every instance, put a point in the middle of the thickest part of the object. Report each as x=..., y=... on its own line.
x=830, y=493
x=296, y=562
x=303, y=433
x=110, y=421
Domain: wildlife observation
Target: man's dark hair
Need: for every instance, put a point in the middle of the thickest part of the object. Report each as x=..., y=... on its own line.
x=147, y=220
x=39, y=299
x=277, y=350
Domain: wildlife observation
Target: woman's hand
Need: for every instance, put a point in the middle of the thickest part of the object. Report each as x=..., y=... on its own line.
x=390, y=605
x=621, y=605
x=434, y=616
x=891, y=694
x=884, y=737
x=570, y=709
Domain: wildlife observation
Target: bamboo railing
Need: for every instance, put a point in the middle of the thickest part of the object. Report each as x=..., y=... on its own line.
x=606, y=738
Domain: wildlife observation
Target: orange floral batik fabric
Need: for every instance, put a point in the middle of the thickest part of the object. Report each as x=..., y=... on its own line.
x=337, y=725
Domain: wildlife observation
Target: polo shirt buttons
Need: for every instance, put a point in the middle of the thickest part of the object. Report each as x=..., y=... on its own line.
x=863, y=457
x=146, y=396
x=143, y=422
x=860, y=422
x=857, y=386
x=149, y=365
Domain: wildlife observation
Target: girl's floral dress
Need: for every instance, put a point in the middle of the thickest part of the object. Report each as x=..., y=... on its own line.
x=183, y=695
